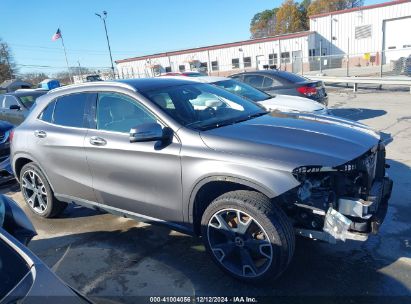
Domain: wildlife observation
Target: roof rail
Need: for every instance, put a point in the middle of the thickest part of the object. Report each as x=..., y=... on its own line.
x=93, y=84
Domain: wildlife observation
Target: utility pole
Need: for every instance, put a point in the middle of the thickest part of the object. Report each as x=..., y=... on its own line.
x=80, y=74
x=104, y=17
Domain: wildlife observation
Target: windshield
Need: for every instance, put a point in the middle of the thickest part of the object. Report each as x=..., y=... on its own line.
x=203, y=106
x=243, y=89
x=28, y=100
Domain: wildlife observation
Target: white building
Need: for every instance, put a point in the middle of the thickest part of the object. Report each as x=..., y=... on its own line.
x=380, y=28
x=355, y=37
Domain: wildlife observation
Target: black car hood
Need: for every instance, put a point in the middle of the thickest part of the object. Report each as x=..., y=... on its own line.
x=5, y=126
x=294, y=140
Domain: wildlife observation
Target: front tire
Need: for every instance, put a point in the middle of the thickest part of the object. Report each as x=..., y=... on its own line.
x=248, y=236
x=37, y=192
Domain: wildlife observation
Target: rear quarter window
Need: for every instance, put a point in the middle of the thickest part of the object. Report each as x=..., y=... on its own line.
x=47, y=114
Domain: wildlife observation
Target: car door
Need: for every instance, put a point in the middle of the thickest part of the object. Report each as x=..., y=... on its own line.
x=58, y=145
x=139, y=177
x=11, y=115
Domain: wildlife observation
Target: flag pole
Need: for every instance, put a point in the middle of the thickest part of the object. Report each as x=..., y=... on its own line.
x=65, y=55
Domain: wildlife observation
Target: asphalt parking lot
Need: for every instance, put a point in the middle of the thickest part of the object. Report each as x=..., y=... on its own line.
x=108, y=257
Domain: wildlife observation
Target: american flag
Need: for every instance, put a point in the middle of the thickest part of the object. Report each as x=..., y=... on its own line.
x=56, y=36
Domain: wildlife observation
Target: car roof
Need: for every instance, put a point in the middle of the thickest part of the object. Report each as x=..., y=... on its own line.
x=147, y=84
x=26, y=93
x=203, y=79
x=138, y=84
x=288, y=76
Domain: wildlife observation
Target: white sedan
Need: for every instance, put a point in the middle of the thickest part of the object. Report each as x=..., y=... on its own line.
x=283, y=103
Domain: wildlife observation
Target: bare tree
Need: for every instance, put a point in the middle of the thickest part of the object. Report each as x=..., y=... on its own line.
x=34, y=78
x=8, y=67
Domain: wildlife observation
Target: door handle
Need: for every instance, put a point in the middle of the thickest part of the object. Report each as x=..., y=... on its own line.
x=97, y=141
x=40, y=134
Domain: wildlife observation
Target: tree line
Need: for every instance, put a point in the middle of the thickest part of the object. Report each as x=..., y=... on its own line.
x=7, y=65
x=293, y=16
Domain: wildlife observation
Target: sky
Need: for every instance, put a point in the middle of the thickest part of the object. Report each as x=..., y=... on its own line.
x=135, y=27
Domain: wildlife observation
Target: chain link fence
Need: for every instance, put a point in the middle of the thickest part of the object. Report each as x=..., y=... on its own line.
x=390, y=63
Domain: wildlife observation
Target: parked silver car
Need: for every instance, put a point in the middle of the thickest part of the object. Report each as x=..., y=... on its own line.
x=244, y=179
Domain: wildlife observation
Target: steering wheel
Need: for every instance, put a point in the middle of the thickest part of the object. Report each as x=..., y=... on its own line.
x=211, y=110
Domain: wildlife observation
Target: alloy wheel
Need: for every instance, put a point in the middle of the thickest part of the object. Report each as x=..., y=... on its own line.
x=239, y=243
x=34, y=191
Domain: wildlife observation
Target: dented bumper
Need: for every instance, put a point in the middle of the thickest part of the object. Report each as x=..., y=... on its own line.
x=355, y=219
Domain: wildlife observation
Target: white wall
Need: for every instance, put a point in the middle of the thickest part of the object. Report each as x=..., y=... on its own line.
x=224, y=56
x=343, y=26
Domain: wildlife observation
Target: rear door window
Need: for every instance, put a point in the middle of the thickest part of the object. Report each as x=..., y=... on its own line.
x=69, y=110
x=254, y=80
x=270, y=82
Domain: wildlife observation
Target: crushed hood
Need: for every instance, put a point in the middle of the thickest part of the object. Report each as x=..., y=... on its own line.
x=294, y=140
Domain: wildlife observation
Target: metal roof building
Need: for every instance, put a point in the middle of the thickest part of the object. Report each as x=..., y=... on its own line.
x=364, y=36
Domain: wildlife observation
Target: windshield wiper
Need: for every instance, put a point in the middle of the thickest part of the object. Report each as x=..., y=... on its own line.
x=229, y=122
x=258, y=114
x=232, y=122
x=269, y=97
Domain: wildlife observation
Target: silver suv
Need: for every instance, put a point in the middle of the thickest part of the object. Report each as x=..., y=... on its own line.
x=206, y=162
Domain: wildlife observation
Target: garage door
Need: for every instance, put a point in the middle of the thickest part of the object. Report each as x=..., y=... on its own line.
x=397, y=38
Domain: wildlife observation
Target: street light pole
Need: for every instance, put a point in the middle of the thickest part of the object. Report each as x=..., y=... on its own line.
x=104, y=17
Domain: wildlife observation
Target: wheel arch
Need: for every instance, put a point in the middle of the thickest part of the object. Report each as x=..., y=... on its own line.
x=20, y=160
x=210, y=187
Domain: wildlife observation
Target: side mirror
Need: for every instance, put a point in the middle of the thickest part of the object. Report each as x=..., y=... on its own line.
x=15, y=107
x=146, y=132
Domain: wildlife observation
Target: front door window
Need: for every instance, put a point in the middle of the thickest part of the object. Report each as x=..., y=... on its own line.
x=119, y=113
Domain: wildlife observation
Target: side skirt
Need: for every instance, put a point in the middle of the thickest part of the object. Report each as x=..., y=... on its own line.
x=183, y=228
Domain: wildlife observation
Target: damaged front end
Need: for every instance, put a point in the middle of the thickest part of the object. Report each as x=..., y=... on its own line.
x=344, y=202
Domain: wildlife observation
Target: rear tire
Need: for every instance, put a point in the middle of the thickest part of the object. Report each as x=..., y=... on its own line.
x=37, y=192
x=248, y=236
